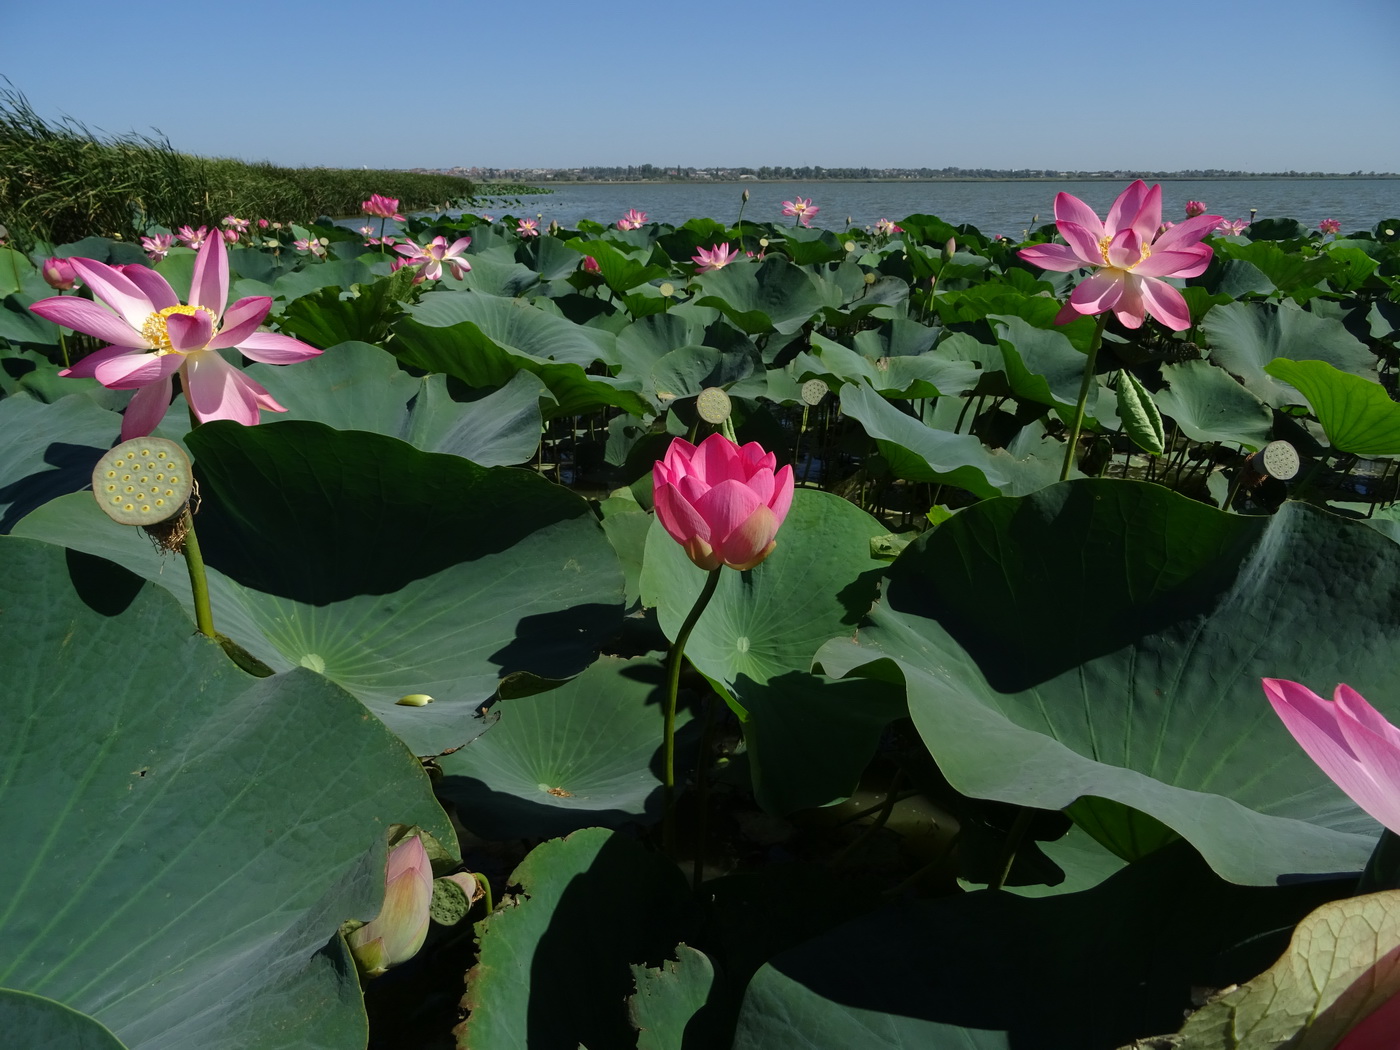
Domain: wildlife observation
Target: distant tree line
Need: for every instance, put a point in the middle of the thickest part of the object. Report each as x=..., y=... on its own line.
x=654, y=172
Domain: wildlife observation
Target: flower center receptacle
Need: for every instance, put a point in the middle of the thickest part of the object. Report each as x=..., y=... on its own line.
x=1144, y=251
x=154, y=328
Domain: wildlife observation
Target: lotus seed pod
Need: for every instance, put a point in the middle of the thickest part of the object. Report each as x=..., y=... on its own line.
x=1278, y=459
x=714, y=405
x=813, y=391
x=144, y=481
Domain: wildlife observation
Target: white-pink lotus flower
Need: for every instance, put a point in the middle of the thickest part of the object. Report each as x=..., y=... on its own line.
x=1349, y=739
x=436, y=252
x=398, y=931
x=192, y=238
x=633, y=220
x=714, y=257
x=803, y=208
x=1128, y=255
x=157, y=245
x=887, y=227
x=153, y=336
x=527, y=228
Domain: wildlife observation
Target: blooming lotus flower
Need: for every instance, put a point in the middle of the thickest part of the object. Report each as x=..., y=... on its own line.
x=528, y=228
x=154, y=335
x=1332, y=226
x=310, y=244
x=722, y=502
x=434, y=254
x=233, y=222
x=1194, y=208
x=157, y=245
x=59, y=274
x=1349, y=739
x=715, y=257
x=191, y=238
x=803, y=208
x=1128, y=255
x=398, y=931
x=1377, y=1031
x=887, y=228
x=382, y=207
x=1232, y=227
x=633, y=220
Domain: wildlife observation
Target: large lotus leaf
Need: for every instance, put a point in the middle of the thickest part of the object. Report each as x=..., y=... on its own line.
x=515, y=325
x=506, y=278
x=356, y=386
x=774, y=296
x=1357, y=414
x=555, y=963
x=922, y=376
x=390, y=571
x=574, y=757
x=342, y=273
x=993, y=971
x=1342, y=963
x=622, y=271
x=917, y=452
x=451, y=341
x=667, y=1007
x=49, y=450
x=186, y=839
x=1106, y=638
x=1245, y=337
x=809, y=737
x=1208, y=405
x=900, y=337
x=1288, y=270
x=645, y=341
x=36, y=1023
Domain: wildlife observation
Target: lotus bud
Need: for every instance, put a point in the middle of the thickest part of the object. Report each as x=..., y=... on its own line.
x=950, y=248
x=1194, y=208
x=59, y=274
x=590, y=265
x=398, y=931
x=746, y=196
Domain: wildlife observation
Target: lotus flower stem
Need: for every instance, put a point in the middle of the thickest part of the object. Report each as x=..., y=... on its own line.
x=673, y=681
x=199, y=583
x=1084, y=385
x=1014, y=835
x=702, y=791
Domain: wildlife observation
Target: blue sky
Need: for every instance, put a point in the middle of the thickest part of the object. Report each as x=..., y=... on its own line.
x=1235, y=84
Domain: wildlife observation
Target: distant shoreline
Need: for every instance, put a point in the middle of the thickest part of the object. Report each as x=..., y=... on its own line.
x=545, y=183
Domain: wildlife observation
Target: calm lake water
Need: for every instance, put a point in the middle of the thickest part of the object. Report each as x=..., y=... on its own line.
x=993, y=207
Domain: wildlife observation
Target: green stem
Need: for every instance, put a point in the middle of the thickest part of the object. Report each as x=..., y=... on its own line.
x=1017, y=832
x=199, y=584
x=702, y=790
x=673, y=683
x=1084, y=383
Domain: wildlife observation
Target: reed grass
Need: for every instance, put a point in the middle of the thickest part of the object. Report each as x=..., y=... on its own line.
x=61, y=182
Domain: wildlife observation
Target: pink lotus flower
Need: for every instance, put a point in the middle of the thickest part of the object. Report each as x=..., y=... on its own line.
x=803, y=208
x=1332, y=226
x=233, y=222
x=368, y=231
x=887, y=228
x=59, y=274
x=435, y=253
x=157, y=245
x=310, y=244
x=528, y=228
x=1377, y=1030
x=1194, y=208
x=716, y=257
x=231, y=236
x=191, y=238
x=1349, y=739
x=382, y=207
x=633, y=220
x=262, y=224
x=1128, y=255
x=1232, y=227
x=398, y=931
x=153, y=336
x=723, y=503
x=590, y=265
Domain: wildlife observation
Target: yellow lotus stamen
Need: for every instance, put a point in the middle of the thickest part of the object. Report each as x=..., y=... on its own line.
x=154, y=328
